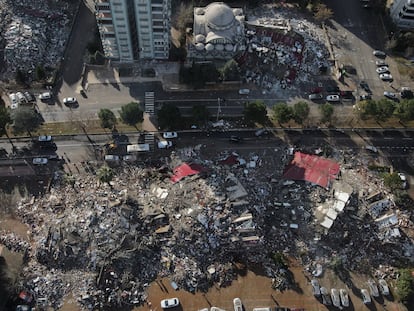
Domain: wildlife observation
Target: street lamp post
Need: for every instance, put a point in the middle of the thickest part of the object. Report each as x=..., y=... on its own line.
x=218, y=107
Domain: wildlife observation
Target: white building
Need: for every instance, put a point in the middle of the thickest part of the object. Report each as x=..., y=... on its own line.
x=218, y=32
x=134, y=29
x=402, y=13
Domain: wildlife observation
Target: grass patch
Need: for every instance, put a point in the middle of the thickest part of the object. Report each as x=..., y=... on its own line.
x=405, y=68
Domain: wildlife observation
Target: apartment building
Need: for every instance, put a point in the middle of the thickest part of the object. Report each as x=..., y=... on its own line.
x=402, y=13
x=134, y=29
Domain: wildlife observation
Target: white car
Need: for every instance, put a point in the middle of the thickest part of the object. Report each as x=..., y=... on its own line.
x=40, y=161
x=168, y=135
x=385, y=77
x=21, y=98
x=403, y=180
x=383, y=286
x=45, y=95
x=244, y=91
x=390, y=95
x=44, y=138
x=366, y=298
x=316, y=289
x=70, y=100
x=169, y=303
x=332, y=98
x=237, y=304
x=382, y=69
x=129, y=158
x=380, y=63
x=335, y=298
x=164, y=144
x=344, y=297
x=14, y=101
x=111, y=157
x=378, y=53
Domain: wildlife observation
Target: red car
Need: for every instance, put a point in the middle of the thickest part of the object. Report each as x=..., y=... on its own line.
x=316, y=90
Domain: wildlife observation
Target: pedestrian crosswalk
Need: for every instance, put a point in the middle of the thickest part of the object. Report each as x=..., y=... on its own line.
x=149, y=102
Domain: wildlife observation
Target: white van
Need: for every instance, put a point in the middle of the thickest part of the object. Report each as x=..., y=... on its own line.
x=262, y=309
x=138, y=148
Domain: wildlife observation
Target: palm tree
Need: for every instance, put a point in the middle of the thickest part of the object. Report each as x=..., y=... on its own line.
x=105, y=174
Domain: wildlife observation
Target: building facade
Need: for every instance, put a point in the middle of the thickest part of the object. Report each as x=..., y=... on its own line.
x=134, y=29
x=402, y=13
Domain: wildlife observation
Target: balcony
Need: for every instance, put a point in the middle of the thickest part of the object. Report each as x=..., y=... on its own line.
x=103, y=16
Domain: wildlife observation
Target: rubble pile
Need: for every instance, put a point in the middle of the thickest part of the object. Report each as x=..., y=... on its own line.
x=34, y=33
x=106, y=243
x=282, y=51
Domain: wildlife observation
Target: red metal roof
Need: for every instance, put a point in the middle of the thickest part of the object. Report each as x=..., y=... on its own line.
x=312, y=168
x=186, y=170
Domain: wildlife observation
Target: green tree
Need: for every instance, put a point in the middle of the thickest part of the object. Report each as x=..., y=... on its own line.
x=327, y=112
x=255, y=112
x=405, y=110
x=405, y=285
x=282, y=113
x=5, y=120
x=21, y=77
x=131, y=114
x=105, y=174
x=385, y=109
x=300, y=112
x=230, y=71
x=169, y=117
x=200, y=113
x=107, y=117
x=25, y=119
x=40, y=73
x=393, y=181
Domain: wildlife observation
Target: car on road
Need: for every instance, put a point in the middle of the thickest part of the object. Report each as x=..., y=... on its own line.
x=164, y=144
x=29, y=97
x=403, y=180
x=382, y=69
x=390, y=95
x=333, y=98
x=383, y=286
x=379, y=53
x=261, y=132
x=237, y=304
x=235, y=139
x=386, y=77
x=244, y=91
x=365, y=97
x=169, y=135
x=70, y=101
x=365, y=86
x=366, y=298
x=169, y=303
x=45, y=96
x=40, y=161
x=44, y=138
x=315, y=96
x=380, y=63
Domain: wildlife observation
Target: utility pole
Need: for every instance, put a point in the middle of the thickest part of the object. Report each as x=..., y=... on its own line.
x=218, y=108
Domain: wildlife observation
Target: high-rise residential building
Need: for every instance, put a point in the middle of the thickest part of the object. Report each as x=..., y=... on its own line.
x=402, y=13
x=134, y=29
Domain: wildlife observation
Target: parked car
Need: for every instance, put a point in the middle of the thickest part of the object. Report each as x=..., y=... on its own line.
x=379, y=53
x=40, y=161
x=45, y=96
x=390, y=95
x=129, y=158
x=83, y=93
x=365, y=86
x=335, y=298
x=333, y=98
x=333, y=89
x=315, y=96
x=235, y=139
x=14, y=101
x=237, y=304
x=21, y=98
x=164, y=144
x=44, y=138
x=403, y=180
x=380, y=63
x=315, y=287
x=316, y=90
x=70, y=101
x=382, y=69
x=365, y=97
x=326, y=298
x=111, y=158
x=366, y=298
x=169, y=303
x=386, y=77
x=383, y=286
x=169, y=135
x=344, y=297
x=244, y=91
x=29, y=97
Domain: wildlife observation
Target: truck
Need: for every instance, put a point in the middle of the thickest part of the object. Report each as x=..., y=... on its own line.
x=138, y=148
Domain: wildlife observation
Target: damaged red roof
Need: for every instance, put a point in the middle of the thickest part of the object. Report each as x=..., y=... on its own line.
x=312, y=168
x=186, y=170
